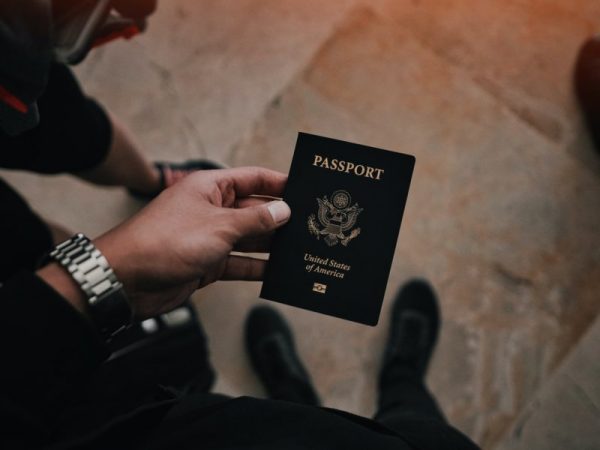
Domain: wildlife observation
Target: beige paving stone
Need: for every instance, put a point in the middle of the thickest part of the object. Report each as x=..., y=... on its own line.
x=520, y=51
x=566, y=411
x=204, y=71
x=503, y=213
x=500, y=217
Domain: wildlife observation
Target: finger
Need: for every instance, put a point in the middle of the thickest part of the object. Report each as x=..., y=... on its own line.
x=244, y=268
x=255, y=181
x=260, y=244
x=261, y=219
x=245, y=202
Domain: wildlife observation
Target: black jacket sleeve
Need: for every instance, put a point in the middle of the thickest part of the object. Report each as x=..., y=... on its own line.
x=49, y=351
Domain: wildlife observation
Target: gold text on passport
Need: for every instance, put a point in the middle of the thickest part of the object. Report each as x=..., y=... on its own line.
x=348, y=167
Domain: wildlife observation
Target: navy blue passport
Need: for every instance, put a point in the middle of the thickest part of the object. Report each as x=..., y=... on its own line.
x=335, y=253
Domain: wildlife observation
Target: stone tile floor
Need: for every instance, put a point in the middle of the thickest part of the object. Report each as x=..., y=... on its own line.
x=564, y=413
x=503, y=213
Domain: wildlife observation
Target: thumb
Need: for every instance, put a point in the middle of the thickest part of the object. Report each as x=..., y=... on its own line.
x=260, y=219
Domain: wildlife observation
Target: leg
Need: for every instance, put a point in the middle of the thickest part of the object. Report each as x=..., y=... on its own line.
x=413, y=334
x=168, y=350
x=405, y=404
x=166, y=361
x=405, y=399
x=124, y=165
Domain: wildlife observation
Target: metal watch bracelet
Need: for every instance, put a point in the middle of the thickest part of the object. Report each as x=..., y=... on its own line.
x=108, y=304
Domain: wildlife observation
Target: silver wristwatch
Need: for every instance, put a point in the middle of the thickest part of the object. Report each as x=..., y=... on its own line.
x=108, y=304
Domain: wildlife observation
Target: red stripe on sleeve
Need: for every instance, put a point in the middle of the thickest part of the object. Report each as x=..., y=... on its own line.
x=11, y=100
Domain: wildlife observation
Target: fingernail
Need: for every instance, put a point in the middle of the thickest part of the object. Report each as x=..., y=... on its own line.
x=280, y=211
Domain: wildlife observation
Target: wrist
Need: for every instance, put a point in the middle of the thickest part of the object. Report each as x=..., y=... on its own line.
x=84, y=277
x=118, y=257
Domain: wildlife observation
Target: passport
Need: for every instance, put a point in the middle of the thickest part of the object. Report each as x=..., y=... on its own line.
x=335, y=253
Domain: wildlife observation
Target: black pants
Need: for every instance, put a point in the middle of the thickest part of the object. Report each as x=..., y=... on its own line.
x=74, y=134
x=407, y=407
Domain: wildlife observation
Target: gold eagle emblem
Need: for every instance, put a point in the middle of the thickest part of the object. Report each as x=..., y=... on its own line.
x=335, y=218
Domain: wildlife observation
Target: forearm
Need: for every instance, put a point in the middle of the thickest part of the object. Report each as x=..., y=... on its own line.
x=125, y=164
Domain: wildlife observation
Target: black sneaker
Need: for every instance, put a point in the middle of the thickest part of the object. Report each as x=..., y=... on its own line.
x=171, y=173
x=587, y=85
x=270, y=345
x=414, y=328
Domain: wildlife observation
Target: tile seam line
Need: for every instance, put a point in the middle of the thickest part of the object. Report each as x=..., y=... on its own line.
x=473, y=77
x=534, y=403
x=584, y=397
x=232, y=152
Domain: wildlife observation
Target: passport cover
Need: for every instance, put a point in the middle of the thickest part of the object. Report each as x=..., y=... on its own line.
x=335, y=253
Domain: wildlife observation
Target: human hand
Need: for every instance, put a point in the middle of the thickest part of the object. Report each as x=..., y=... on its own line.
x=182, y=240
